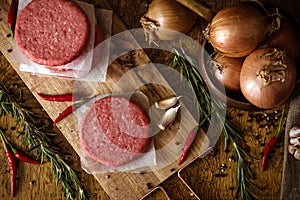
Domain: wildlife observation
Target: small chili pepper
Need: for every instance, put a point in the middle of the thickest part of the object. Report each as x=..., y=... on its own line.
x=65, y=113
x=22, y=156
x=190, y=138
x=272, y=142
x=268, y=148
x=13, y=170
x=59, y=98
x=12, y=162
x=187, y=144
x=12, y=16
x=64, y=98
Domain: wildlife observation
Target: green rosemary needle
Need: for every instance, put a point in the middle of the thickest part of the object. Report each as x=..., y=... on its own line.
x=187, y=69
x=37, y=138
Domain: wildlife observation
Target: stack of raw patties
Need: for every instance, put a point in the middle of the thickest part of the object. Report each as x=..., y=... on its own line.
x=56, y=38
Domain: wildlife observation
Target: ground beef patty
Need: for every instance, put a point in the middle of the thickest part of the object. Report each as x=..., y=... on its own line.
x=52, y=32
x=99, y=37
x=114, y=131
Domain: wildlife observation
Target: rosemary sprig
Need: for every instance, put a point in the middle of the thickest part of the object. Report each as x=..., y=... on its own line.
x=37, y=138
x=208, y=104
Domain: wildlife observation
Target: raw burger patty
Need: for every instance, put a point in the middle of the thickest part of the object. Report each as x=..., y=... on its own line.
x=99, y=37
x=52, y=32
x=114, y=131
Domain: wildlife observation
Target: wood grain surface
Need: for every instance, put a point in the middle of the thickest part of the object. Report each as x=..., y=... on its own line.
x=212, y=177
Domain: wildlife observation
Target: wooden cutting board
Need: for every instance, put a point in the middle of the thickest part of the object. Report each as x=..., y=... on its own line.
x=118, y=185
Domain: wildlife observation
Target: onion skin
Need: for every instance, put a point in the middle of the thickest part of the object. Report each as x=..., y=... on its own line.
x=287, y=38
x=167, y=14
x=254, y=88
x=227, y=72
x=235, y=31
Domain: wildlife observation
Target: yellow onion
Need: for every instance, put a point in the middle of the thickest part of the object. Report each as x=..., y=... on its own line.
x=165, y=15
x=268, y=77
x=226, y=71
x=235, y=31
x=287, y=38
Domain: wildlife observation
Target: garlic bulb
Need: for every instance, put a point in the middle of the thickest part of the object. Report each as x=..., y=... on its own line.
x=297, y=154
x=294, y=143
x=168, y=118
x=167, y=103
x=294, y=132
x=291, y=149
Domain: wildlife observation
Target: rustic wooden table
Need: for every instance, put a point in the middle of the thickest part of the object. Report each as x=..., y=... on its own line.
x=212, y=177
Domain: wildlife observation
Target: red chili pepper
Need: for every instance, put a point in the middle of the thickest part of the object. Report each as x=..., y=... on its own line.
x=12, y=162
x=272, y=142
x=65, y=113
x=12, y=16
x=63, y=98
x=13, y=170
x=59, y=98
x=268, y=148
x=190, y=138
x=187, y=144
x=20, y=155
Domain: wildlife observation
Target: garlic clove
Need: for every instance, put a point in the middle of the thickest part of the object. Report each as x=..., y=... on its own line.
x=291, y=149
x=168, y=118
x=297, y=154
x=295, y=141
x=294, y=132
x=166, y=103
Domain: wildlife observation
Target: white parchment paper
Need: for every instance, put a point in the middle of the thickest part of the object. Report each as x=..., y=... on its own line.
x=82, y=68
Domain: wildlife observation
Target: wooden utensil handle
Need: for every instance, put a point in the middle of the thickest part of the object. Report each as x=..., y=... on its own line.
x=201, y=10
